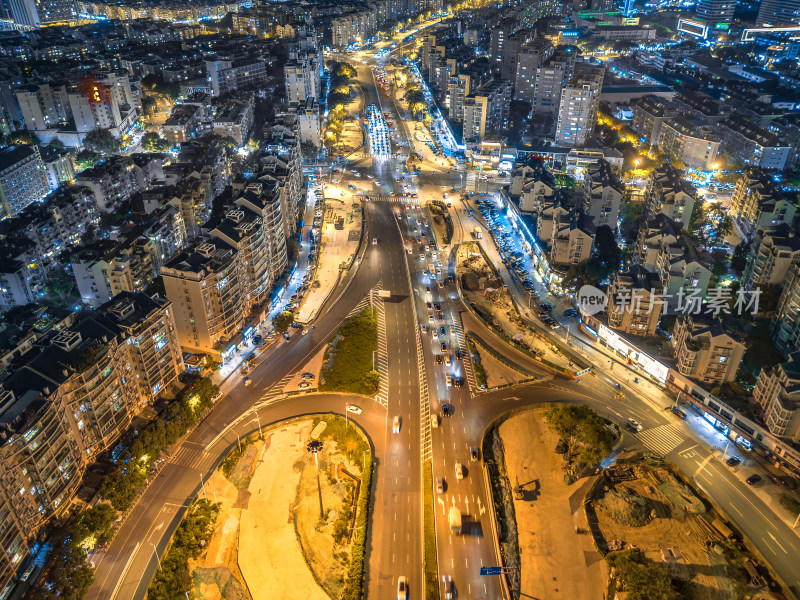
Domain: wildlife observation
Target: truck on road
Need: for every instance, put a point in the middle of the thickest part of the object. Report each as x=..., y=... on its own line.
x=455, y=520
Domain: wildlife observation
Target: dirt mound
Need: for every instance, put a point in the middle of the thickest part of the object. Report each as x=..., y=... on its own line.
x=218, y=582
x=626, y=509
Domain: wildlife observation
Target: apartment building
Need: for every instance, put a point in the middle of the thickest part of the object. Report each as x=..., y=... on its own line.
x=104, y=269
x=234, y=73
x=353, y=28
x=458, y=90
x=786, y=326
x=66, y=401
x=23, y=179
x=753, y=144
x=302, y=79
x=486, y=110
x=499, y=35
x=571, y=242
x=757, y=203
x=43, y=105
x=550, y=81
x=635, y=301
x=532, y=55
x=774, y=252
x=98, y=104
x=512, y=46
x=58, y=166
x=682, y=273
x=224, y=282
x=704, y=350
x=154, y=350
x=669, y=194
x=649, y=114
x=235, y=120
x=777, y=392
x=604, y=193
x=695, y=145
x=577, y=111
x=309, y=122
x=655, y=234
x=117, y=178
x=183, y=123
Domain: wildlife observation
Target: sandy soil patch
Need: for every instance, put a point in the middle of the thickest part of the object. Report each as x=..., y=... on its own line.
x=557, y=562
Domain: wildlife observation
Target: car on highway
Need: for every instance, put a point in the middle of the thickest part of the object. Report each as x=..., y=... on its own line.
x=438, y=359
x=402, y=588
x=447, y=361
x=473, y=454
x=677, y=411
x=448, y=380
x=435, y=421
x=733, y=461
x=248, y=381
x=374, y=241
x=459, y=471
x=448, y=587
x=753, y=479
x=440, y=485
x=356, y=410
x=396, y=424
x=444, y=347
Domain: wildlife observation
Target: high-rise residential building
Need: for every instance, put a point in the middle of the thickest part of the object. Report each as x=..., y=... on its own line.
x=577, y=112
x=778, y=12
x=757, y=203
x=753, y=144
x=786, y=328
x=777, y=393
x=550, y=81
x=716, y=11
x=635, y=301
x=24, y=12
x=309, y=122
x=71, y=398
x=510, y=57
x=230, y=74
x=486, y=110
x=604, y=194
x=499, y=34
x=43, y=105
x=531, y=56
x=23, y=178
x=302, y=79
x=695, y=145
x=774, y=252
x=459, y=90
x=221, y=285
x=154, y=351
x=669, y=194
x=705, y=350
x=649, y=114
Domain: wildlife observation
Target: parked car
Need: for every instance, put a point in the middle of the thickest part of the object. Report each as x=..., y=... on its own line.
x=733, y=461
x=396, y=424
x=753, y=479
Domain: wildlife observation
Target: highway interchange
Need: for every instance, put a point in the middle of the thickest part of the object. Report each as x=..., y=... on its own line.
x=416, y=389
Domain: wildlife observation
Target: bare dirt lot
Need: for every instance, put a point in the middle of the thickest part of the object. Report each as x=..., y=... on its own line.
x=270, y=539
x=557, y=562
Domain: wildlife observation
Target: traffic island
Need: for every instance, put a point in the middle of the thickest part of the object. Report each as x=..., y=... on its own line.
x=431, y=564
x=484, y=292
x=281, y=530
x=348, y=361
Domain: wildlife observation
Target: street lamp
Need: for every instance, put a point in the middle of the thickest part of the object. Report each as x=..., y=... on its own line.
x=314, y=446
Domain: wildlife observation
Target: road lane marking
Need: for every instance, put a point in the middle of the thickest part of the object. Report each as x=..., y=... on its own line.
x=774, y=539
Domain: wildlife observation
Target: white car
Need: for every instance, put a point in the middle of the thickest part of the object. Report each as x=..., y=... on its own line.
x=356, y=410
x=447, y=361
x=396, y=424
x=459, y=471
x=402, y=588
x=634, y=424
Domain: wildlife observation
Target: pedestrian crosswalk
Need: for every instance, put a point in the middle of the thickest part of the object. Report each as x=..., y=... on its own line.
x=277, y=389
x=662, y=439
x=382, y=360
x=469, y=374
x=190, y=457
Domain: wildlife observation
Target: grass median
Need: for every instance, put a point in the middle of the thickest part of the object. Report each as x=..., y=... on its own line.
x=348, y=363
x=429, y=533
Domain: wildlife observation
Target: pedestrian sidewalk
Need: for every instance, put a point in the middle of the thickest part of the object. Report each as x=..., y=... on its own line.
x=336, y=252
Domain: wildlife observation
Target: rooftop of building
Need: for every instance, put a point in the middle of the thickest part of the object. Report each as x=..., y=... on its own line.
x=12, y=155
